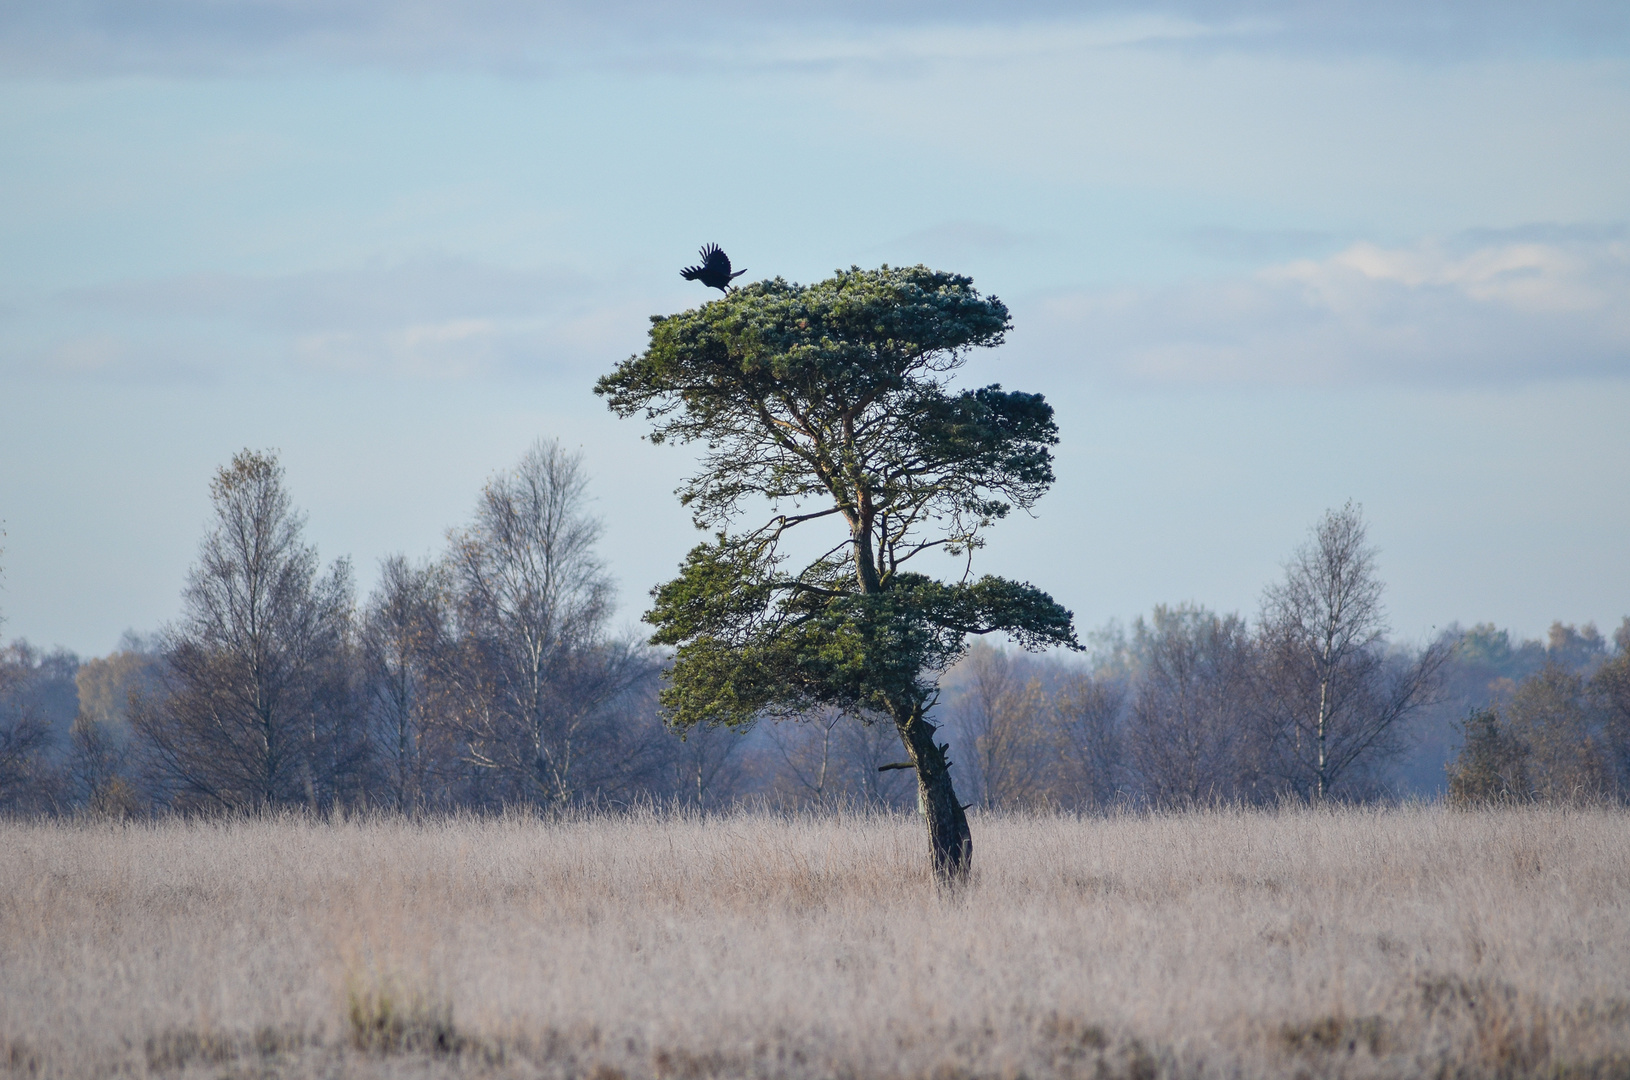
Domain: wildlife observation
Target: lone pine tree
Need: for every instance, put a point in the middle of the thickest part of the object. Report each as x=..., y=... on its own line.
x=831, y=404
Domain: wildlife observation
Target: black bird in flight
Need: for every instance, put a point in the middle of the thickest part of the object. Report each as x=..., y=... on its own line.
x=714, y=271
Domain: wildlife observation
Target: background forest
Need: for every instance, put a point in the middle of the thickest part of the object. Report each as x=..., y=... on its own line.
x=489, y=678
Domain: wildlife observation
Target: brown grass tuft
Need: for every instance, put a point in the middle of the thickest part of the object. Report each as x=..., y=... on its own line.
x=386, y=1018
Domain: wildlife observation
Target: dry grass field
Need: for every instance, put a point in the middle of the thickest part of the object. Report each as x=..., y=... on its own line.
x=1352, y=943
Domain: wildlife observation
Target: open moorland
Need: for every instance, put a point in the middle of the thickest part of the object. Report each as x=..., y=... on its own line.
x=1379, y=942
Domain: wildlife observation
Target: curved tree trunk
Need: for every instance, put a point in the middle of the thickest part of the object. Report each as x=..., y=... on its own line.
x=950, y=843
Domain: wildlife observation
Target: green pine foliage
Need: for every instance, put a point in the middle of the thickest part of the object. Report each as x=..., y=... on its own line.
x=833, y=401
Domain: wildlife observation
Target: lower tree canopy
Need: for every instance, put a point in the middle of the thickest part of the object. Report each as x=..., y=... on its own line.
x=803, y=648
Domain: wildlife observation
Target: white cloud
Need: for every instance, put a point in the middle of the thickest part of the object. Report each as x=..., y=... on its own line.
x=1531, y=277
x=1522, y=305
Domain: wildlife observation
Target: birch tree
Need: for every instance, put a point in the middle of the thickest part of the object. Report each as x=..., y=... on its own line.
x=1335, y=696
x=535, y=669
x=256, y=709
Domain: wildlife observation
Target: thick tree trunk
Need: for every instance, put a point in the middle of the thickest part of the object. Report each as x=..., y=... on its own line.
x=950, y=844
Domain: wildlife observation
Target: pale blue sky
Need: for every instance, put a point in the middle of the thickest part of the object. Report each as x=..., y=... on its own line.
x=1263, y=257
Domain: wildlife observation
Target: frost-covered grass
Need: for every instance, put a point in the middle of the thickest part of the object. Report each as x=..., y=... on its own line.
x=1387, y=942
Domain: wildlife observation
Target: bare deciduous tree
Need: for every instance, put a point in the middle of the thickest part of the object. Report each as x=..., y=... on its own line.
x=829, y=759
x=1087, y=712
x=1610, y=688
x=1002, y=732
x=807, y=754
x=533, y=600
x=25, y=733
x=257, y=710
x=861, y=751
x=1567, y=760
x=1189, y=730
x=1335, y=698
x=405, y=637
x=707, y=765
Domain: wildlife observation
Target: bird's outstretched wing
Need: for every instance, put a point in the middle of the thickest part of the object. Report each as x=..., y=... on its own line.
x=718, y=263
x=714, y=271
x=711, y=254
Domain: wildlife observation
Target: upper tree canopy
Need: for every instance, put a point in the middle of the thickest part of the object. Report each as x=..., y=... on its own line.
x=832, y=401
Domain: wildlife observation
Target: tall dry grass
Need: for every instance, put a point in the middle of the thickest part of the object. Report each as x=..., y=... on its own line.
x=1403, y=942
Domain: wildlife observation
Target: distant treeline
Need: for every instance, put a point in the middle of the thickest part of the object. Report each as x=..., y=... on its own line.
x=487, y=678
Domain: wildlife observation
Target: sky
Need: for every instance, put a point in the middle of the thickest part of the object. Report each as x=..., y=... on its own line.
x=1263, y=257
